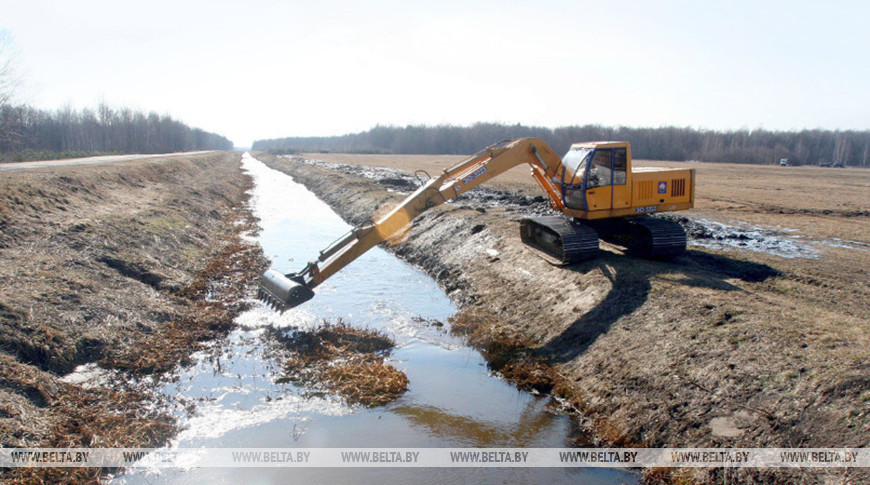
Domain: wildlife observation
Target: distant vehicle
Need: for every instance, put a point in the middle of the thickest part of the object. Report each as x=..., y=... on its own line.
x=783, y=162
x=838, y=165
x=823, y=164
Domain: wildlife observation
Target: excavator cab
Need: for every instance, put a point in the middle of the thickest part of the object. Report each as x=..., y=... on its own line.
x=594, y=177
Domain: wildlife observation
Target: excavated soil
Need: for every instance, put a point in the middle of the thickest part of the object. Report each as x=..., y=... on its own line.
x=710, y=349
x=130, y=266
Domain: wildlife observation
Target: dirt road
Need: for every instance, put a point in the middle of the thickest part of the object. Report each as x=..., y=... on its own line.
x=99, y=160
x=711, y=349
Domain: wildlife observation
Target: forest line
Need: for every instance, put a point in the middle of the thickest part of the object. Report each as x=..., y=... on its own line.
x=805, y=147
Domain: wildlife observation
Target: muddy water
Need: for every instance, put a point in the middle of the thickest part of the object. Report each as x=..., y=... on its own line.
x=453, y=401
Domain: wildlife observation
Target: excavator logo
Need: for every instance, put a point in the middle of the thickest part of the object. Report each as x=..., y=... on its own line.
x=477, y=173
x=663, y=187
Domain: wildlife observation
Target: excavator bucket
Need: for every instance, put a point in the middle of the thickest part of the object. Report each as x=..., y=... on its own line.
x=283, y=292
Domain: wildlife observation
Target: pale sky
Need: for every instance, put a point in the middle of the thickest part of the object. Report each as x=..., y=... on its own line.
x=264, y=69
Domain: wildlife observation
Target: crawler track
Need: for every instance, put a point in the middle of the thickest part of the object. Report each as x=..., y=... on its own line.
x=644, y=236
x=560, y=240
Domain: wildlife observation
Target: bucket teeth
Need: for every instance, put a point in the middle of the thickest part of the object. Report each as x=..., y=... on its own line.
x=269, y=301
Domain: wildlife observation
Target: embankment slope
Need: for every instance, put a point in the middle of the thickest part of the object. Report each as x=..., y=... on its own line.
x=129, y=265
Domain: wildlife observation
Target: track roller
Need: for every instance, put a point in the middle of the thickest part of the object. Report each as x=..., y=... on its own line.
x=644, y=236
x=559, y=240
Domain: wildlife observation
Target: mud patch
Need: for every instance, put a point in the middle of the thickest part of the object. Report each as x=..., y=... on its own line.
x=836, y=242
x=717, y=235
x=481, y=198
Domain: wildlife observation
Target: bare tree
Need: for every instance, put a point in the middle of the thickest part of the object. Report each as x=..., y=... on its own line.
x=8, y=77
x=8, y=83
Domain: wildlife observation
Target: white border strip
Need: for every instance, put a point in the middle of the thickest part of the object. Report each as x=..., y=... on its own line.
x=435, y=457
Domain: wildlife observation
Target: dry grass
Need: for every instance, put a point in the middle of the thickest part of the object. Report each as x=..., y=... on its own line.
x=510, y=354
x=217, y=294
x=366, y=380
x=130, y=265
x=345, y=360
x=76, y=417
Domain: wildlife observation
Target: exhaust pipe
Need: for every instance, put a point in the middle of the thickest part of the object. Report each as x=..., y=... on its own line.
x=283, y=292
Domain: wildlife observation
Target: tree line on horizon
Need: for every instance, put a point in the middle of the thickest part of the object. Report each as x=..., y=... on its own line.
x=30, y=133
x=805, y=147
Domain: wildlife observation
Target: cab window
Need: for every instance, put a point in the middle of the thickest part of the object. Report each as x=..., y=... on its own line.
x=574, y=165
x=600, y=169
x=570, y=178
x=619, y=166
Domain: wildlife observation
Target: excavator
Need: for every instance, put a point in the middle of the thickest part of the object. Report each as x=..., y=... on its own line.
x=594, y=186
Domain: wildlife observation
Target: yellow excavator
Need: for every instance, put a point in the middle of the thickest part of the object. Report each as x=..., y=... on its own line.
x=594, y=186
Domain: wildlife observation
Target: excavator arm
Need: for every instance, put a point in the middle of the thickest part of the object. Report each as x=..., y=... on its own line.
x=285, y=291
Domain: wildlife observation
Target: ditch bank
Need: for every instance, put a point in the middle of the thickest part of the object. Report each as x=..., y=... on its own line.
x=704, y=350
x=129, y=266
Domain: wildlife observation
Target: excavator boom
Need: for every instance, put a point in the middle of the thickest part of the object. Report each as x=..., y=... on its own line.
x=285, y=291
x=594, y=186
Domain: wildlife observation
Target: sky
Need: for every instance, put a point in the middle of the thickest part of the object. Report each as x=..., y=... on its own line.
x=266, y=69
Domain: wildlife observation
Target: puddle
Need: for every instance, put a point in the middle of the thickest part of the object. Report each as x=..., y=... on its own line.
x=231, y=397
x=847, y=244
